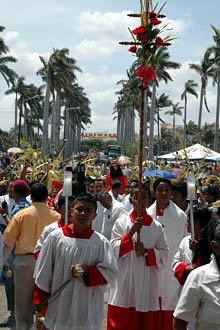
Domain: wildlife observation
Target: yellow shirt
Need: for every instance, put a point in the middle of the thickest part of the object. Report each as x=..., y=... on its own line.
x=25, y=228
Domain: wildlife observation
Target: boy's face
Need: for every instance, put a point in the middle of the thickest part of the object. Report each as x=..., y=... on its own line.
x=163, y=193
x=177, y=198
x=99, y=186
x=83, y=213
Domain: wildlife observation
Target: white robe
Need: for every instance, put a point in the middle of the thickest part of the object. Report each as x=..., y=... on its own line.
x=127, y=204
x=77, y=306
x=183, y=255
x=173, y=220
x=137, y=283
x=45, y=233
x=109, y=218
x=98, y=221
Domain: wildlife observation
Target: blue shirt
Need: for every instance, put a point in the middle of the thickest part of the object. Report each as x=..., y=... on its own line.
x=19, y=205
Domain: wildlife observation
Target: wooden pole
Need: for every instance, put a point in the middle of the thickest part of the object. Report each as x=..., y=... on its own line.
x=141, y=149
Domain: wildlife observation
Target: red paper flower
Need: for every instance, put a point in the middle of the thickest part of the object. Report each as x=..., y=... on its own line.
x=159, y=41
x=146, y=74
x=132, y=49
x=142, y=37
x=140, y=29
x=153, y=19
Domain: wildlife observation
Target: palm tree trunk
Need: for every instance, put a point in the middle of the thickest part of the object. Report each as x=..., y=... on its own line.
x=174, y=133
x=16, y=112
x=45, y=119
x=158, y=130
x=152, y=115
x=122, y=129
x=185, y=116
x=25, y=122
x=200, y=106
x=19, y=126
x=78, y=135
x=57, y=124
x=216, y=142
x=66, y=132
x=53, y=126
x=118, y=129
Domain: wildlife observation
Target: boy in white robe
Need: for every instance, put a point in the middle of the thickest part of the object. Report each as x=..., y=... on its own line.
x=173, y=219
x=73, y=267
x=134, y=301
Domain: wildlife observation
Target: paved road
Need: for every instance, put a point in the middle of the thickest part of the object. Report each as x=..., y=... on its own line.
x=3, y=307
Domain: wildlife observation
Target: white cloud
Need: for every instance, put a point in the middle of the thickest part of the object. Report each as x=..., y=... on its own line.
x=10, y=36
x=28, y=62
x=103, y=31
x=109, y=24
x=7, y=111
x=101, y=79
x=90, y=49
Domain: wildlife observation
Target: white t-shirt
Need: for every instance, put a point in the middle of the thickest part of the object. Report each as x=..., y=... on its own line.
x=200, y=298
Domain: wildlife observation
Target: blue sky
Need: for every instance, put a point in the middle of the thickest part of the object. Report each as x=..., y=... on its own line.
x=92, y=29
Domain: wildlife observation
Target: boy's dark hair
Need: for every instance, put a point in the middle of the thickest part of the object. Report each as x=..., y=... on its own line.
x=61, y=200
x=212, y=190
x=86, y=198
x=202, y=215
x=100, y=180
x=103, y=194
x=116, y=184
x=39, y=192
x=203, y=249
x=181, y=187
x=159, y=180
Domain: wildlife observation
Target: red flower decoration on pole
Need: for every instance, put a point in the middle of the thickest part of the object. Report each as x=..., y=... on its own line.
x=140, y=29
x=142, y=37
x=132, y=49
x=146, y=74
x=153, y=18
x=159, y=41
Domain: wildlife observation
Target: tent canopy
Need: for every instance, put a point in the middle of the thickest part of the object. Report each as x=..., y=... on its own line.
x=195, y=152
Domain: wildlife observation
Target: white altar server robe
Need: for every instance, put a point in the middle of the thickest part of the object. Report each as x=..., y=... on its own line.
x=137, y=283
x=173, y=220
x=76, y=306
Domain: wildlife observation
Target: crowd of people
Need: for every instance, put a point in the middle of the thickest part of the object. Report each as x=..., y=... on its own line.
x=126, y=245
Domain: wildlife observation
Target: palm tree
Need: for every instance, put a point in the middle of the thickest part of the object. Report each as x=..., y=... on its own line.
x=176, y=111
x=205, y=70
x=216, y=53
x=18, y=88
x=8, y=74
x=189, y=88
x=161, y=63
x=126, y=105
x=77, y=114
x=59, y=73
x=162, y=101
